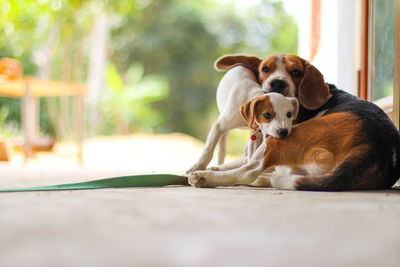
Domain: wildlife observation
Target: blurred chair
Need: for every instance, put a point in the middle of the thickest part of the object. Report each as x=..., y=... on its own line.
x=3, y=151
x=29, y=90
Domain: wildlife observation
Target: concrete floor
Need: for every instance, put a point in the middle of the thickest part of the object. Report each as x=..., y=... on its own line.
x=184, y=226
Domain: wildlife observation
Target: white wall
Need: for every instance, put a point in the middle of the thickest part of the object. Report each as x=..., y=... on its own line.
x=336, y=56
x=301, y=11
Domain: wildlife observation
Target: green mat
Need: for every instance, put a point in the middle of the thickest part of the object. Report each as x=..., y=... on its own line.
x=148, y=180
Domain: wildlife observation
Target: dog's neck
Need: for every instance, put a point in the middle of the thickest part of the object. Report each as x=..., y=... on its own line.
x=306, y=114
x=255, y=132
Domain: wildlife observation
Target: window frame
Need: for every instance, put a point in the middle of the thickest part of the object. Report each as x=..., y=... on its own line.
x=367, y=64
x=396, y=65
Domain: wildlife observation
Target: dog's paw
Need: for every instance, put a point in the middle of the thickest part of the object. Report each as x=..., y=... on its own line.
x=262, y=181
x=195, y=179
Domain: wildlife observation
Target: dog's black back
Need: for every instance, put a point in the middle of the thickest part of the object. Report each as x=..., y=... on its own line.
x=379, y=165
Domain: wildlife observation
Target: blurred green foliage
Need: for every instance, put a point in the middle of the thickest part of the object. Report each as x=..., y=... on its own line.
x=182, y=39
x=160, y=75
x=126, y=106
x=383, y=48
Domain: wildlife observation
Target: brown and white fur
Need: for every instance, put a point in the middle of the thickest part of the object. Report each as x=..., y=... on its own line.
x=273, y=113
x=298, y=156
x=301, y=160
x=285, y=74
x=354, y=145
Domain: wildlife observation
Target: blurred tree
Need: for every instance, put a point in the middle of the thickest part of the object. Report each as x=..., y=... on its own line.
x=171, y=39
x=16, y=41
x=177, y=42
x=50, y=39
x=125, y=106
x=383, y=48
x=182, y=39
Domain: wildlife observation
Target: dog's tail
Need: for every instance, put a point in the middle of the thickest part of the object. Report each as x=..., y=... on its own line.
x=360, y=170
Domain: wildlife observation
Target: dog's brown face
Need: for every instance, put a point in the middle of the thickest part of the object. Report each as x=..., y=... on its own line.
x=286, y=74
x=273, y=113
x=281, y=74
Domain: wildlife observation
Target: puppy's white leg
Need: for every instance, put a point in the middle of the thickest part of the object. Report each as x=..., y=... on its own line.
x=222, y=148
x=252, y=145
x=244, y=175
x=208, y=151
x=230, y=165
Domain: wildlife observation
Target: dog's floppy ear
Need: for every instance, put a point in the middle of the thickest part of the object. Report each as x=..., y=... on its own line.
x=313, y=92
x=247, y=110
x=295, y=104
x=229, y=61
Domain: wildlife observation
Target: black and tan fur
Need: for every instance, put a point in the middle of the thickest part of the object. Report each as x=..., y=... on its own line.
x=354, y=142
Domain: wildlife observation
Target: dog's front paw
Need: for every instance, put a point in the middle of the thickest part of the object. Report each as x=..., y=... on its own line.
x=196, y=180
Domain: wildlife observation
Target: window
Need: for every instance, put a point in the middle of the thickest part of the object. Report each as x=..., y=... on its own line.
x=382, y=49
x=380, y=55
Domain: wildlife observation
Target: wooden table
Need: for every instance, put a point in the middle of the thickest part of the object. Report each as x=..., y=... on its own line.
x=30, y=89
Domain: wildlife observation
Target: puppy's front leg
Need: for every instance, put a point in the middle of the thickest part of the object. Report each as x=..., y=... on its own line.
x=251, y=148
x=222, y=148
x=253, y=144
x=230, y=165
x=212, y=139
x=244, y=175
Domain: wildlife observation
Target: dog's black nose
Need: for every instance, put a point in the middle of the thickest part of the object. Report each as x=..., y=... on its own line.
x=278, y=85
x=283, y=132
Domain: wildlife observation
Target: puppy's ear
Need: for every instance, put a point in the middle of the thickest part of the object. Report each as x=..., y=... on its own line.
x=313, y=92
x=247, y=110
x=295, y=104
x=229, y=61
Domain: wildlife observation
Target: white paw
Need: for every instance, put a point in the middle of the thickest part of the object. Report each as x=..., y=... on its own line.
x=197, y=180
x=262, y=181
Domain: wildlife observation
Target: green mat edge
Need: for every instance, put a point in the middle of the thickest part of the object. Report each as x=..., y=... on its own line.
x=147, y=180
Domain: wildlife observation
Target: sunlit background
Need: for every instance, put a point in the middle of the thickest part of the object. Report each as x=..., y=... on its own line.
x=148, y=65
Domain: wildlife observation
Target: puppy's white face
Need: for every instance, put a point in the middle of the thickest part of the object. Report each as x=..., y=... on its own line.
x=281, y=74
x=275, y=115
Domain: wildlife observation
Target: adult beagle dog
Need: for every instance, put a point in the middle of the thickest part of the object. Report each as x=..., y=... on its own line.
x=242, y=83
x=341, y=142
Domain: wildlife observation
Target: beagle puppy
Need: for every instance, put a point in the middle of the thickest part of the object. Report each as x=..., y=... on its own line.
x=273, y=114
x=341, y=142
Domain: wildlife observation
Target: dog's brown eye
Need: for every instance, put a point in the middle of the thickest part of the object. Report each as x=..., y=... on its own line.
x=265, y=69
x=289, y=114
x=267, y=115
x=296, y=73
